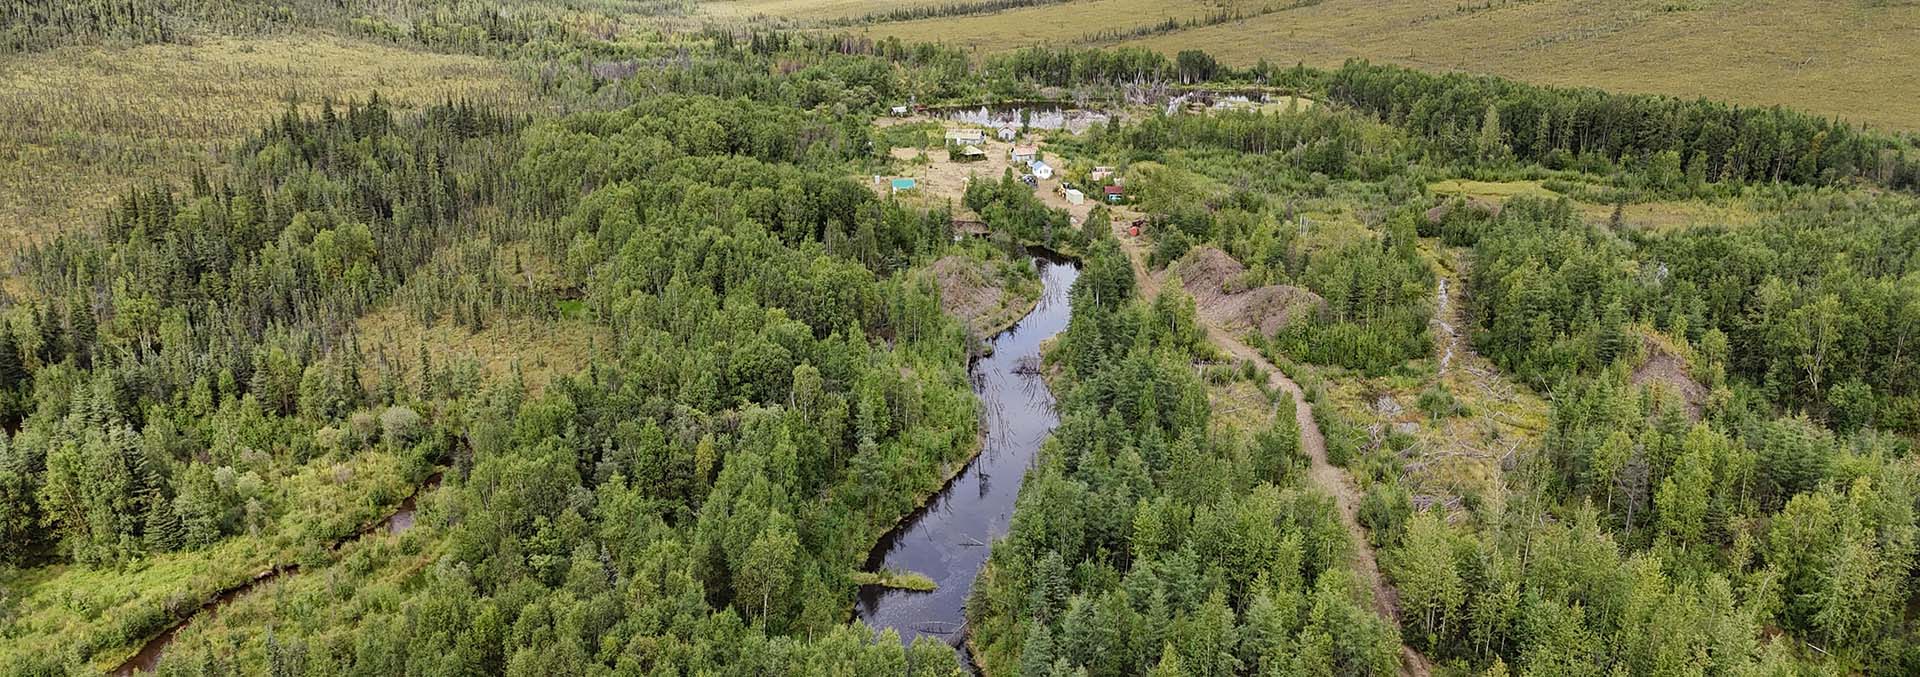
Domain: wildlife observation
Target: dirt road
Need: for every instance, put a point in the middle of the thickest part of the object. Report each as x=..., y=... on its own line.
x=1333, y=480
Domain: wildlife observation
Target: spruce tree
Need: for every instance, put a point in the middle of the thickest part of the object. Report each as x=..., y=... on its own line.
x=162, y=527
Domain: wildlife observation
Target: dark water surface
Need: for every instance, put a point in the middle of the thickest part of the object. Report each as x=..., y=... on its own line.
x=947, y=539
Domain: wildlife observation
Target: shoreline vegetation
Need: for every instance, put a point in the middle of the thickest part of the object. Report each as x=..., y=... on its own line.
x=899, y=580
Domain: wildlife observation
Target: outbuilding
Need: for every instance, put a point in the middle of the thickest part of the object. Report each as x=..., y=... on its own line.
x=1008, y=134
x=1115, y=193
x=1025, y=153
x=1040, y=170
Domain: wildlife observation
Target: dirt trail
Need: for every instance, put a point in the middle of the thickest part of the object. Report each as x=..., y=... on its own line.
x=1386, y=601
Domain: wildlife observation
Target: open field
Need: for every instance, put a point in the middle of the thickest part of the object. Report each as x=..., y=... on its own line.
x=1852, y=59
x=1058, y=24
x=79, y=125
x=812, y=10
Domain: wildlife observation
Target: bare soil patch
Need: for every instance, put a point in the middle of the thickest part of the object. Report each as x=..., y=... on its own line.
x=1216, y=282
x=1666, y=370
x=968, y=291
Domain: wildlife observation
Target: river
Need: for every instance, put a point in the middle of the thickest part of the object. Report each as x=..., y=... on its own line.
x=947, y=538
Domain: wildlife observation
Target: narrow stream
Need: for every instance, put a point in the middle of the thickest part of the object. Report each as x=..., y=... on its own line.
x=947, y=538
x=1442, y=306
x=149, y=656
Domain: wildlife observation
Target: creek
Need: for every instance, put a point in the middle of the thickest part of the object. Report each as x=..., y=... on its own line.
x=148, y=657
x=948, y=538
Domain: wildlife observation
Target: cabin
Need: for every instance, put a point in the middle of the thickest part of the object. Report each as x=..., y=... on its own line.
x=1025, y=153
x=1040, y=170
x=901, y=184
x=1007, y=134
x=1115, y=193
x=966, y=137
x=1099, y=174
x=971, y=154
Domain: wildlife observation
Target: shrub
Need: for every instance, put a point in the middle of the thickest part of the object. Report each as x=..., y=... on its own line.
x=399, y=426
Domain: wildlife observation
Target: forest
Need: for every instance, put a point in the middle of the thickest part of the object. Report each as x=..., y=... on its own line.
x=1588, y=383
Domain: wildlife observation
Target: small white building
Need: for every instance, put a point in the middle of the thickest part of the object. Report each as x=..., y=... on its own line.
x=1100, y=173
x=899, y=111
x=1007, y=134
x=1075, y=196
x=1026, y=153
x=1040, y=170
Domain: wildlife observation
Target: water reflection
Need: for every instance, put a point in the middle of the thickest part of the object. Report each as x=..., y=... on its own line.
x=947, y=540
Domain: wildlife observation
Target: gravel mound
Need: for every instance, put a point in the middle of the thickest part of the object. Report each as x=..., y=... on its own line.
x=1218, y=286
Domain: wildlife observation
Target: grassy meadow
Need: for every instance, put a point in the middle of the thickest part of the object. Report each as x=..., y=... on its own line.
x=80, y=124
x=1849, y=59
x=1072, y=22
x=1835, y=58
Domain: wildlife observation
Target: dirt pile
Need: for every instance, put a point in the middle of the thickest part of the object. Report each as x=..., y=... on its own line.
x=1218, y=286
x=1665, y=369
x=967, y=290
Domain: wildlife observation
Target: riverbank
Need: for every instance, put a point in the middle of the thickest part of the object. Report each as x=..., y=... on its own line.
x=147, y=657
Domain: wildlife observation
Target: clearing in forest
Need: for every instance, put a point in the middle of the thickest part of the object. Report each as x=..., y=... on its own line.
x=979, y=295
x=1469, y=418
x=1321, y=472
x=941, y=179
